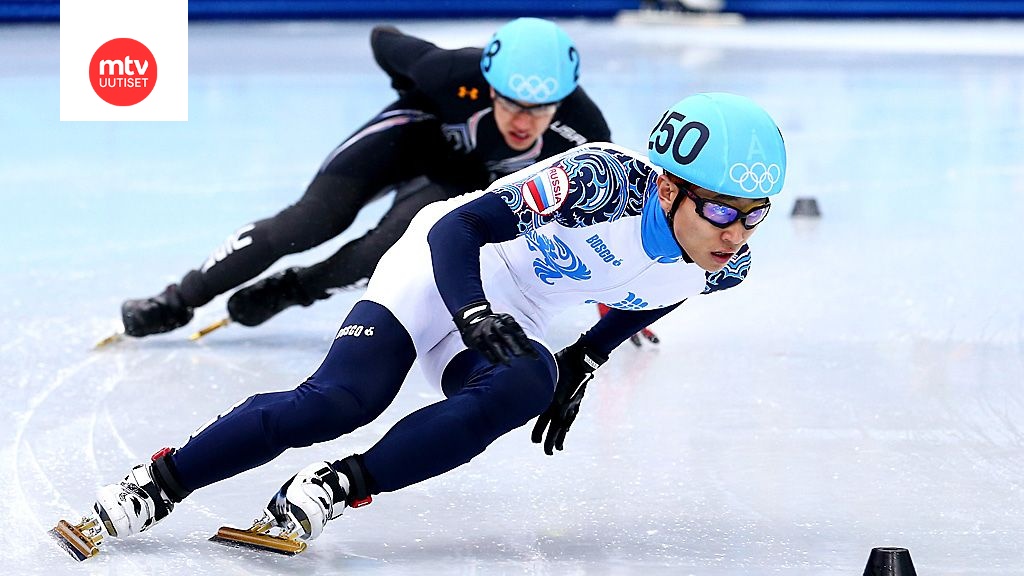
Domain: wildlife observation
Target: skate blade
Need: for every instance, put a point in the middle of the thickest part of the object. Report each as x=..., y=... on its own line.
x=258, y=541
x=71, y=539
x=113, y=338
x=215, y=326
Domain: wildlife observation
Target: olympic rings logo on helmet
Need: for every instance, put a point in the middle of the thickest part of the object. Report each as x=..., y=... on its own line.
x=757, y=176
x=533, y=88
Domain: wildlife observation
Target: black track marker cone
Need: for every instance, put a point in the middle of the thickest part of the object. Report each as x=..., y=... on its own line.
x=890, y=562
x=806, y=207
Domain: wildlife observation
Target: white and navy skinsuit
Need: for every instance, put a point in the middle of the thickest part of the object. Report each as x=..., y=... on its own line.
x=583, y=227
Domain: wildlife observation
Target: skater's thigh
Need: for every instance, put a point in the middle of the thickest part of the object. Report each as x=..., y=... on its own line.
x=397, y=145
x=369, y=359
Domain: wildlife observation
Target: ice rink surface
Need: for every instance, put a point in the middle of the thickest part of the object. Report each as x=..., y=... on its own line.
x=863, y=388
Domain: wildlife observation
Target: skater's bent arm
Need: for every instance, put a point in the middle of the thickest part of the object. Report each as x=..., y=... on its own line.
x=505, y=212
x=455, y=242
x=399, y=55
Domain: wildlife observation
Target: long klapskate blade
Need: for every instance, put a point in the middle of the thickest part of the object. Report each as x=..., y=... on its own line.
x=115, y=337
x=256, y=541
x=210, y=328
x=73, y=541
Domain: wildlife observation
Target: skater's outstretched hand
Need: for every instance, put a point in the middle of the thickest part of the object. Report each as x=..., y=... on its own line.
x=576, y=365
x=497, y=336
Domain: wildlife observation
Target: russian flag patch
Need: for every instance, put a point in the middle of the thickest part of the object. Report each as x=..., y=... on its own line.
x=546, y=192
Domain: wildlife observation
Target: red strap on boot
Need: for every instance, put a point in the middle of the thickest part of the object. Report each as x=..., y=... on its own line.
x=160, y=454
x=361, y=503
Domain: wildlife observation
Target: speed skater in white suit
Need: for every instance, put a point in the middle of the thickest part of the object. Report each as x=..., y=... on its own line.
x=469, y=290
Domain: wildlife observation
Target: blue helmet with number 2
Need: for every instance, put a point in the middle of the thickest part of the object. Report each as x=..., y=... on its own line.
x=531, y=60
x=721, y=142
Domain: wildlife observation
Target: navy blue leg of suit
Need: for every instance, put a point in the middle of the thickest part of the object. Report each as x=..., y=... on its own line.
x=352, y=387
x=484, y=401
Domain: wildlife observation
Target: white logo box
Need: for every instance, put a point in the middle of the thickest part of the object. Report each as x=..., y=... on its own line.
x=161, y=26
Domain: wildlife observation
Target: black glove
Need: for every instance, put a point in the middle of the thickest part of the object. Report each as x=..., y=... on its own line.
x=497, y=336
x=576, y=365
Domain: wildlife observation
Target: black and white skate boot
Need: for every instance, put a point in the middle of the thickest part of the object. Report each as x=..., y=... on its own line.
x=145, y=496
x=309, y=499
x=255, y=304
x=299, y=510
x=132, y=505
x=161, y=313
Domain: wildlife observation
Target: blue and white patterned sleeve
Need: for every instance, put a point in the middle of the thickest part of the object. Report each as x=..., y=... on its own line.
x=732, y=274
x=582, y=187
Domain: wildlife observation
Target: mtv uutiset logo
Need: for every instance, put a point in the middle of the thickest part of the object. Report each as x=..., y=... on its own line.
x=123, y=72
x=123, y=60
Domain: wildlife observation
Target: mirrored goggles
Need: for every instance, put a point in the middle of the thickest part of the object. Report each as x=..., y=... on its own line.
x=723, y=215
x=535, y=110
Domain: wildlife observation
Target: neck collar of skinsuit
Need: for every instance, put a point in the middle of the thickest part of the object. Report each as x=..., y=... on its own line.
x=659, y=242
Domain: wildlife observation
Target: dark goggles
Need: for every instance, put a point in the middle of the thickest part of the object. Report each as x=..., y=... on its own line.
x=723, y=215
x=535, y=110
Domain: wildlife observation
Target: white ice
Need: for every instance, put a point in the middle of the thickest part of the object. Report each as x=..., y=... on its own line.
x=861, y=389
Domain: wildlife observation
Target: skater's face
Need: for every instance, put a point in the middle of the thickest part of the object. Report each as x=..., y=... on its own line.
x=709, y=243
x=520, y=123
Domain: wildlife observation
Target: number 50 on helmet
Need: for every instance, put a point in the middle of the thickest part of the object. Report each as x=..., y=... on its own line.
x=721, y=142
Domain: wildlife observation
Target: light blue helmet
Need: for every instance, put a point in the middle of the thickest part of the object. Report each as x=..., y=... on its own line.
x=722, y=142
x=531, y=60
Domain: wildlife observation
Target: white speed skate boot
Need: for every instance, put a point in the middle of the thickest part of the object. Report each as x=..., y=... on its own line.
x=129, y=507
x=299, y=511
x=309, y=499
x=132, y=505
